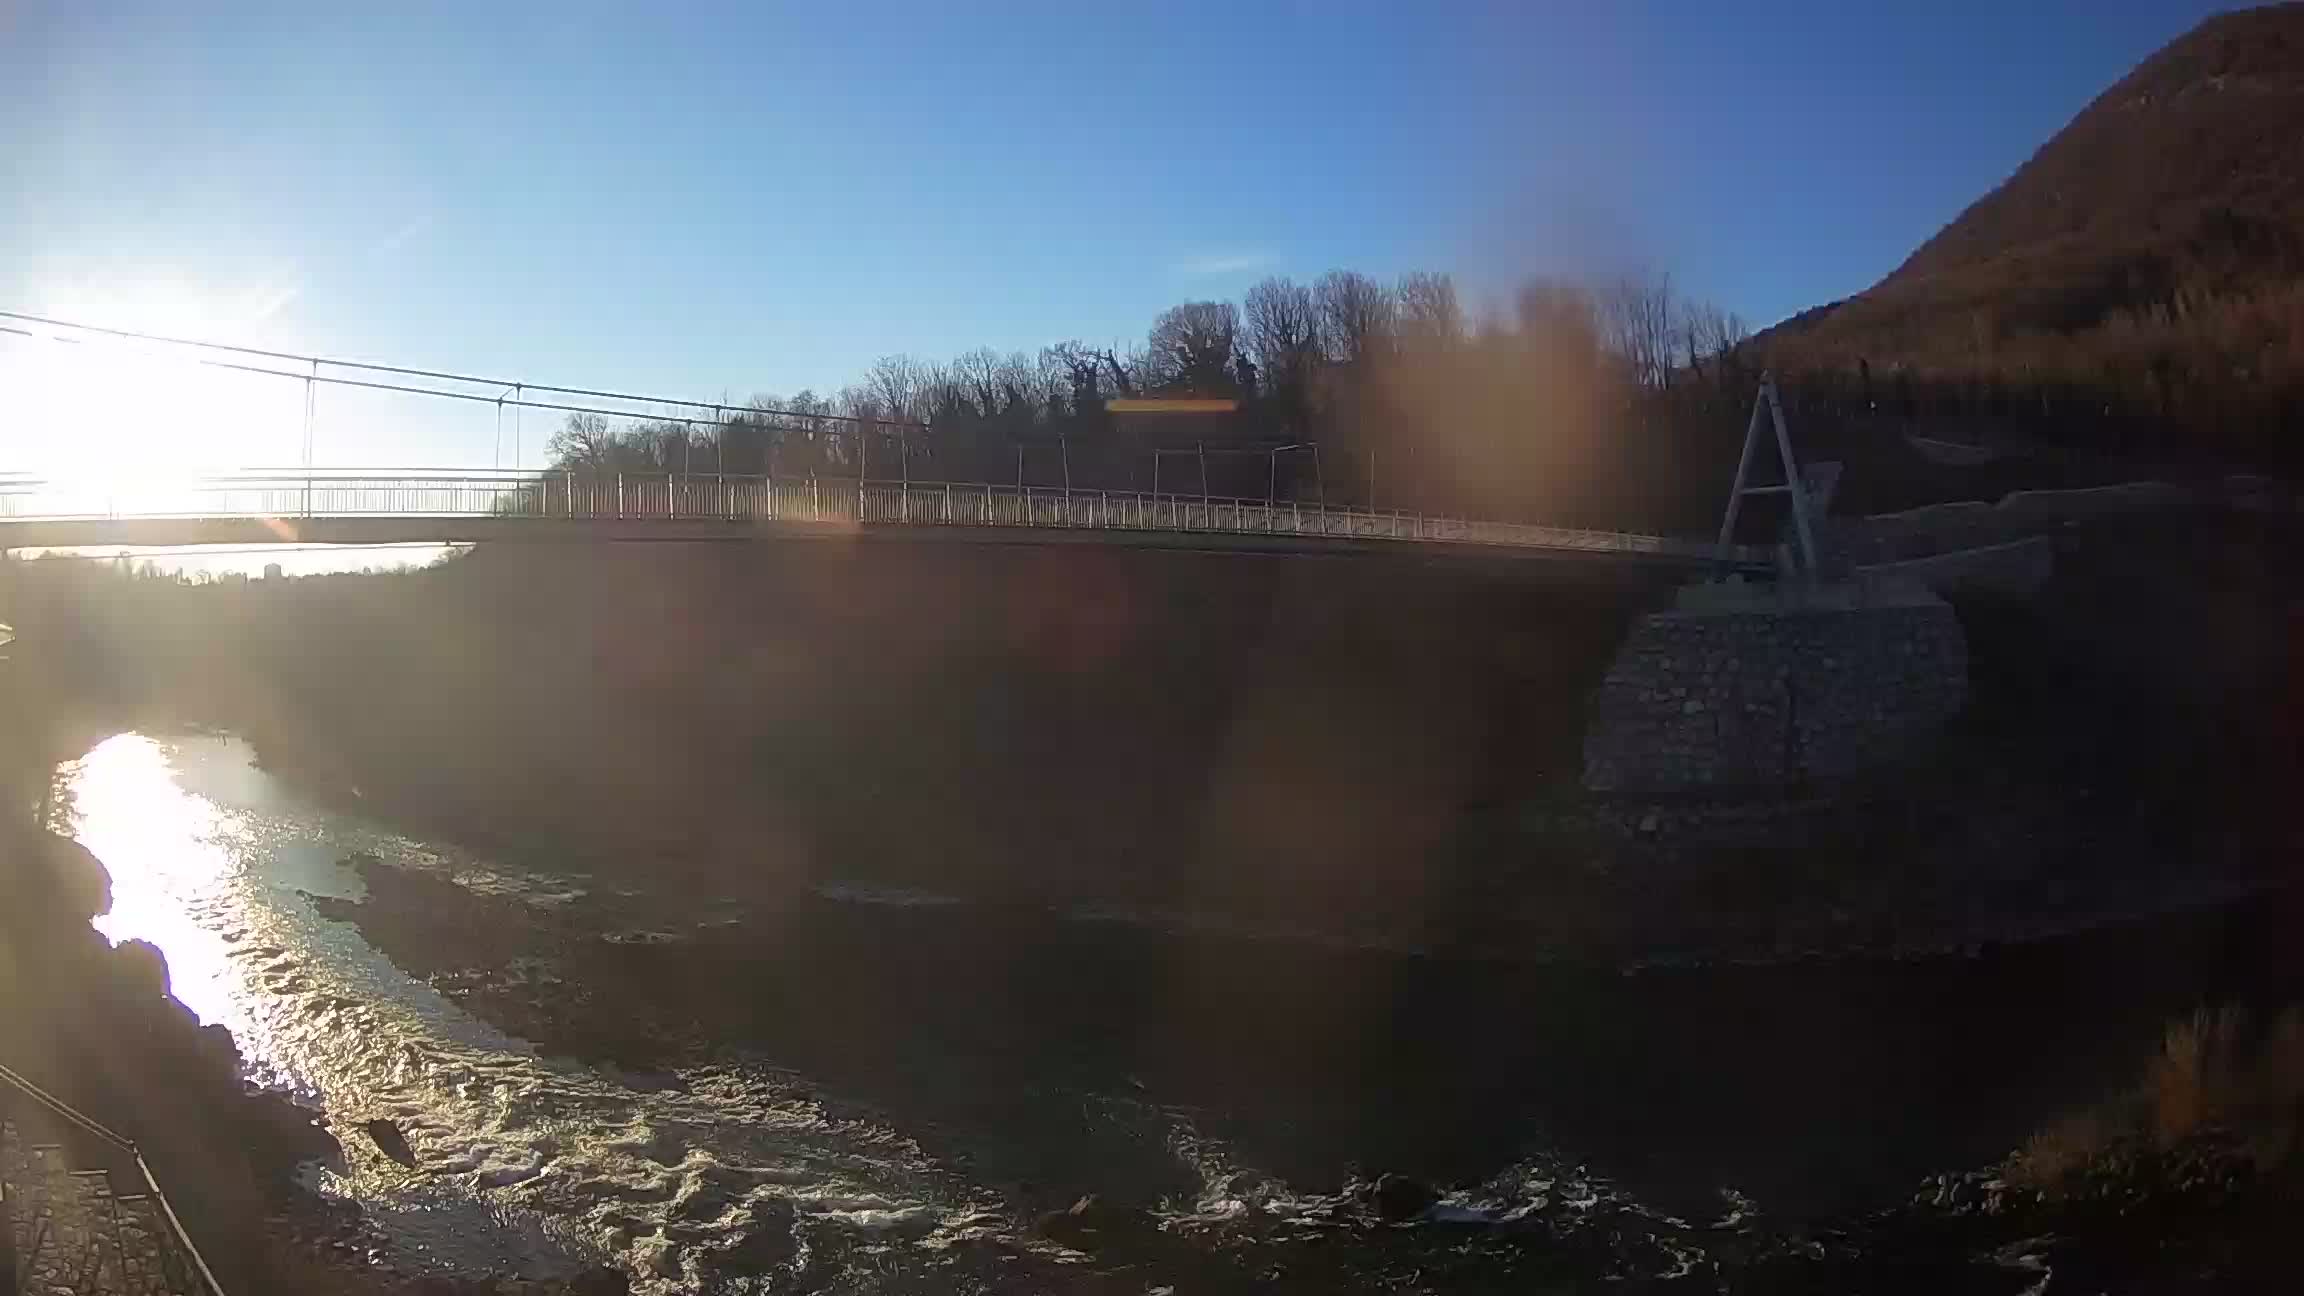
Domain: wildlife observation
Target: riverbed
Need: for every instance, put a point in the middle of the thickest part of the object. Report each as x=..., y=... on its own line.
x=900, y=1081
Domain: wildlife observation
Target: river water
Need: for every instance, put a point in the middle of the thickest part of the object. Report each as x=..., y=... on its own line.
x=1225, y=1077
x=528, y=1164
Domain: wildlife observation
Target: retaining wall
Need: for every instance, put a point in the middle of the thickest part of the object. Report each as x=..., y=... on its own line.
x=1761, y=693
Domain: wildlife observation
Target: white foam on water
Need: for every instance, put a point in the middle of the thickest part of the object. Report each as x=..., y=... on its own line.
x=881, y=1219
x=525, y=1164
x=1537, y=1191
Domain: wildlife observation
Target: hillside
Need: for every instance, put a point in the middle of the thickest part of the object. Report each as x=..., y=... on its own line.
x=2148, y=261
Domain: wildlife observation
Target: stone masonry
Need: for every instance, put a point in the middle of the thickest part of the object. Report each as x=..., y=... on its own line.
x=1736, y=690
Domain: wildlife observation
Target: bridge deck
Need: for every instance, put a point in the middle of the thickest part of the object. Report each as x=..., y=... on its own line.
x=447, y=508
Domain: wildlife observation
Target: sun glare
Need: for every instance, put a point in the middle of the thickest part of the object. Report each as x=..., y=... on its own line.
x=90, y=411
x=159, y=844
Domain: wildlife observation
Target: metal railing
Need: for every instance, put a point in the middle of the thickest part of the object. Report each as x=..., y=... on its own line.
x=820, y=500
x=177, y=1249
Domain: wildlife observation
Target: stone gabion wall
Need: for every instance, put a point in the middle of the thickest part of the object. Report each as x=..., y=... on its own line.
x=1762, y=698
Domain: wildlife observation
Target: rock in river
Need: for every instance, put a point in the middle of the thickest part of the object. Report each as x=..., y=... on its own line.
x=1398, y=1198
x=390, y=1141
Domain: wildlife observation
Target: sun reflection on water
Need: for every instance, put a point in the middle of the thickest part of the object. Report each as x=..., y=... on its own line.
x=159, y=842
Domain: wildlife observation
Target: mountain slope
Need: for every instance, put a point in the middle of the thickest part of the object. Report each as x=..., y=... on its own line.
x=2152, y=246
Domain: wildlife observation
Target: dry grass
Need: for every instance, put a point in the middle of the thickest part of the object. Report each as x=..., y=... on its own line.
x=2067, y=1147
x=2214, y=1074
x=2196, y=1077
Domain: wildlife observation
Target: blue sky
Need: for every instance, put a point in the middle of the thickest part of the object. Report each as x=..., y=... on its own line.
x=743, y=198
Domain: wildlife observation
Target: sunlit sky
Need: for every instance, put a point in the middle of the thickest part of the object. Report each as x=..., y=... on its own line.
x=746, y=198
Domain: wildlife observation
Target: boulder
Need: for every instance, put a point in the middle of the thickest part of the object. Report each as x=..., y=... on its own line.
x=284, y=1134
x=54, y=884
x=1398, y=1198
x=141, y=968
x=390, y=1141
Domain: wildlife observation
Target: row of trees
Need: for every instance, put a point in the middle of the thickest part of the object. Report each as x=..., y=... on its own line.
x=2172, y=335
x=1414, y=399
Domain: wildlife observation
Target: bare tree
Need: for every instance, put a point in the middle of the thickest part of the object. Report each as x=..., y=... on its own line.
x=1709, y=339
x=975, y=377
x=1728, y=350
x=860, y=404
x=803, y=434
x=746, y=442
x=1083, y=372
x=1094, y=370
x=1136, y=365
x=1640, y=314
x=1024, y=388
x=804, y=412
x=665, y=445
x=1190, y=347
x=583, y=441
x=898, y=385
x=1284, y=336
x=951, y=413
x=1283, y=326
x=1428, y=309
x=1356, y=315
x=1050, y=383
x=1701, y=326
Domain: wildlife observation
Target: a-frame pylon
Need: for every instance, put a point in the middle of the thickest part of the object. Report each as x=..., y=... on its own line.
x=1767, y=408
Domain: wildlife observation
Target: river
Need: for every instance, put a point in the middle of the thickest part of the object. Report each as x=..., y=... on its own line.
x=901, y=1109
